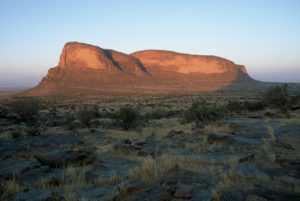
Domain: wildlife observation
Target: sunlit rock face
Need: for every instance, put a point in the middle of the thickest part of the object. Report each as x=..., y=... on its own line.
x=82, y=55
x=184, y=63
x=85, y=69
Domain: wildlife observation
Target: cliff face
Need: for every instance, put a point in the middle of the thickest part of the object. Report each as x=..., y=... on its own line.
x=80, y=55
x=184, y=63
x=87, y=69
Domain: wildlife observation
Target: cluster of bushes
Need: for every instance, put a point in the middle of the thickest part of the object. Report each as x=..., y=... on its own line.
x=86, y=113
x=157, y=113
x=127, y=116
x=239, y=106
x=275, y=97
x=26, y=108
x=278, y=97
x=201, y=111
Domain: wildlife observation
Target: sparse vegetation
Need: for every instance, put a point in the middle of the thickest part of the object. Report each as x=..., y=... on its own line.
x=203, y=112
x=86, y=113
x=242, y=106
x=253, y=135
x=33, y=131
x=128, y=117
x=25, y=108
x=277, y=96
x=156, y=113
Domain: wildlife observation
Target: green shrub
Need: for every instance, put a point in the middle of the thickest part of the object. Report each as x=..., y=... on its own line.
x=295, y=102
x=254, y=105
x=32, y=131
x=240, y=106
x=277, y=96
x=3, y=111
x=25, y=108
x=235, y=106
x=105, y=113
x=202, y=111
x=86, y=113
x=156, y=113
x=128, y=117
x=16, y=134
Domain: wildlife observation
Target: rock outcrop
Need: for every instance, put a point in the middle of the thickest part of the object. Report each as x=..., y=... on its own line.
x=185, y=63
x=76, y=54
x=87, y=69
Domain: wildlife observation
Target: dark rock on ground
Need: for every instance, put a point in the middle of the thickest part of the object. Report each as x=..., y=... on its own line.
x=233, y=195
x=8, y=148
x=107, y=192
x=124, y=147
x=111, y=167
x=249, y=171
x=286, y=171
x=56, y=141
x=290, y=130
x=283, y=145
x=183, y=185
x=218, y=137
x=43, y=174
x=101, y=193
x=1, y=190
x=14, y=167
x=60, y=158
x=220, y=158
x=129, y=186
x=253, y=128
x=176, y=138
x=148, y=147
x=285, y=161
x=270, y=194
x=36, y=195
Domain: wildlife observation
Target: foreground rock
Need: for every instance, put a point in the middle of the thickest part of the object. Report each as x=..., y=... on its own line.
x=36, y=195
x=111, y=169
x=15, y=167
x=107, y=192
x=182, y=185
x=61, y=158
x=147, y=147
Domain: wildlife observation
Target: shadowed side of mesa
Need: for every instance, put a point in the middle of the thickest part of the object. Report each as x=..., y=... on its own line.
x=85, y=69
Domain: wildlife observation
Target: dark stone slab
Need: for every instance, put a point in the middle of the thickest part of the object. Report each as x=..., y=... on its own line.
x=14, y=167
x=111, y=167
x=63, y=157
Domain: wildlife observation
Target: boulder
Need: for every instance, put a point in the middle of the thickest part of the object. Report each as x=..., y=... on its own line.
x=218, y=137
x=233, y=195
x=107, y=192
x=108, y=167
x=61, y=158
x=269, y=194
x=15, y=167
x=36, y=195
x=181, y=185
x=43, y=175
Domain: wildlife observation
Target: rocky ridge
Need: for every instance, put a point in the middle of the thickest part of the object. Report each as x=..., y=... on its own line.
x=88, y=69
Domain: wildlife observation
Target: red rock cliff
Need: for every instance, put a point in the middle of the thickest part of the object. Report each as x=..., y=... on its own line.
x=87, y=69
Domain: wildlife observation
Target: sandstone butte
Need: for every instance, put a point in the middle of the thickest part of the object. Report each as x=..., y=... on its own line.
x=85, y=69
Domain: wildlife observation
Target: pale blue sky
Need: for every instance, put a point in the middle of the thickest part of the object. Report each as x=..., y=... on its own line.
x=263, y=35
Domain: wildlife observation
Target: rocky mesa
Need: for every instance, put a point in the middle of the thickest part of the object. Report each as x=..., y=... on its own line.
x=85, y=69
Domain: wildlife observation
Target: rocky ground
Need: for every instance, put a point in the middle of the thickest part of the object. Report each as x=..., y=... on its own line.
x=247, y=156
